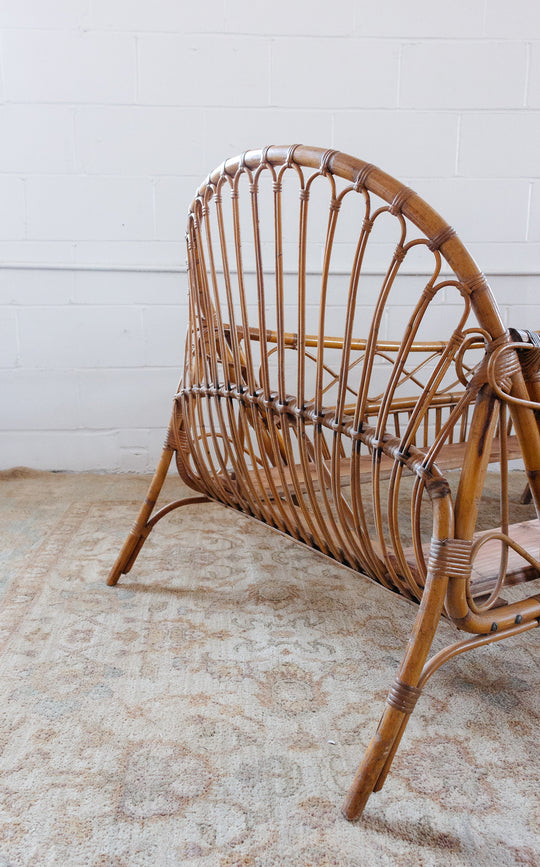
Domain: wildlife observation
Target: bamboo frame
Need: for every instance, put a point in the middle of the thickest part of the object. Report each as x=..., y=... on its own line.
x=288, y=424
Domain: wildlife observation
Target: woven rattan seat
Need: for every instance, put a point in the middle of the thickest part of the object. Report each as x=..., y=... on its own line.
x=349, y=381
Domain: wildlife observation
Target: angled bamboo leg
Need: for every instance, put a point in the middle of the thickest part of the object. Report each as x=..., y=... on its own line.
x=448, y=557
x=144, y=523
x=140, y=529
x=399, y=703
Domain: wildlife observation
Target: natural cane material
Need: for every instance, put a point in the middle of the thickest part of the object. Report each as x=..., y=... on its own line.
x=342, y=342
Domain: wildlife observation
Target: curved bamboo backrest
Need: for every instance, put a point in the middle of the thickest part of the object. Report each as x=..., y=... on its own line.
x=338, y=331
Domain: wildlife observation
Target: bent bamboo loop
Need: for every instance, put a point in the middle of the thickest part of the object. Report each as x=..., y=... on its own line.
x=300, y=406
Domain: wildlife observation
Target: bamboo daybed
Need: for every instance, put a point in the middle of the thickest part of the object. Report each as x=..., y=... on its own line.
x=323, y=436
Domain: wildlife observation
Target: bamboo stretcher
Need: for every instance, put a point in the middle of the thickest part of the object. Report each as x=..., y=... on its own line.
x=325, y=436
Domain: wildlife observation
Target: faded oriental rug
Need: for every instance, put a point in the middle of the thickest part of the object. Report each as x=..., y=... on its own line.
x=212, y=708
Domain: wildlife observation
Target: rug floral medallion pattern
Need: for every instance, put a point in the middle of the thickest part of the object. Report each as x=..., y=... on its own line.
x=212, y=708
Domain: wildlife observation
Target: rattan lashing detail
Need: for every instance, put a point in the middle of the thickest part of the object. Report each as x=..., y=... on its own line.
x=478, y=283
x=403, y=697
x=325, y=161
x=396, y=206
x=361, y=177
x=301, y=407
x=441, y=238
x=507, y=364
x=450, y=558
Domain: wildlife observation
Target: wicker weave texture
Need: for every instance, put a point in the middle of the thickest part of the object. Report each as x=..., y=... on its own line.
x=344, y=353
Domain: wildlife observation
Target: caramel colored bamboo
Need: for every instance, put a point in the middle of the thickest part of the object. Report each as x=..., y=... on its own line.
x=313, y=430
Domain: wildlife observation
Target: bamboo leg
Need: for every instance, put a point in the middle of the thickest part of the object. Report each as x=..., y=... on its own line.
x=400, y=702
x=141, y=528
x=378, y=752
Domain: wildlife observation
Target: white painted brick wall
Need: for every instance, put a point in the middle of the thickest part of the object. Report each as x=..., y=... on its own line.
x=72, y=66
x=111, y=111
x=533, y=88
x=487, y=151
x=333, y=74
x=533, y=233
x=13, y=210
x=463, y=75
x=52, y=338
x=88, y=207
x=421, y=19
x=36, y=139
x=139, y=141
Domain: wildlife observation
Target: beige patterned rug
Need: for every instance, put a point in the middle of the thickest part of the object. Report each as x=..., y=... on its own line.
x=212, y=708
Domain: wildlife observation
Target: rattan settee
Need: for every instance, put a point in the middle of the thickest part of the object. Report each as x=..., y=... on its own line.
x=344, y=355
